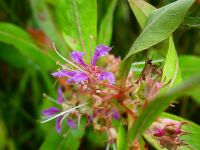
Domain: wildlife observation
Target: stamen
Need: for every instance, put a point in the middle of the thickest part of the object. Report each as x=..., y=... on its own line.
x=79, y=119
x=108, y=146
x=64, y=112
x=91, y=38
x=114, y=147
x=67, y=59
x=63, y=118
x=64, y=67
x=50, y=98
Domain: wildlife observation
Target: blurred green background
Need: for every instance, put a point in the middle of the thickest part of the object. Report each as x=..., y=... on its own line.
x=27, y=30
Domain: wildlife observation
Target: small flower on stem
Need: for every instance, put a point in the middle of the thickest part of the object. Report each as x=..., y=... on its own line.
x=71, y=123
x=168, y=133
x=86, y=73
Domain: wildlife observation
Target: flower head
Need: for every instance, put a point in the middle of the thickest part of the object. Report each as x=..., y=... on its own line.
x=168, y=133
x=87, y=73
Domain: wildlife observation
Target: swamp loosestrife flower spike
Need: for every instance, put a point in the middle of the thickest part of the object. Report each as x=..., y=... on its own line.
x=92, y=92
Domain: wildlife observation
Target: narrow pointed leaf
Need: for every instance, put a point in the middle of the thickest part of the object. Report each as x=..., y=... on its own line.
x=106, y=25
x=142, y=10
x=171, y=72
x=45, y=21
x=13, y=35
x=160, y=25
x=78, y=22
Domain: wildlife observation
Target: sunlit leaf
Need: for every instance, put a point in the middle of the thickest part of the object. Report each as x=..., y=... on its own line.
x=47, y=24
x=11, y=34
x=78, y=22
x=189, y=66
x=70, y=140
x=160, y=25
x=122, y=138
x=171, y=72
x=105, y=30
x=141, y=10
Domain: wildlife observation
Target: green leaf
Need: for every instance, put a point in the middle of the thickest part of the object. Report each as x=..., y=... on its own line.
x=14, y=58
x=191, y=139
x=192, y=22
x=47, y=24
x=160, y=103
x=13, y=35
x=160, y=25
x=189, y=66
x=171, y=71
x=78, y=22
x=3, y=135
x=122, y=143
x=70, y=140
x=106, y=25
x=52, y=141
x=141, y=10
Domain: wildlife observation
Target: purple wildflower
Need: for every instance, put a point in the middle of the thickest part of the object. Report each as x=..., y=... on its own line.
x=63, y=73
x=58, y=124
x=71, y=123
x=86, y=73
x=54, y=111
x=100, y=51
x=115, y=114
x=50, y=111
x=60, y=97
x=78, y=58
x=159, y=132
x=79, y=77
x=107, y=76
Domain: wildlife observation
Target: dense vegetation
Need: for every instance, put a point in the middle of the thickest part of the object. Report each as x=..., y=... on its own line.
x=161, y=34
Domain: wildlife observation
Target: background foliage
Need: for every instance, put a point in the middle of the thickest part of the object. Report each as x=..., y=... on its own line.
x=27, y=30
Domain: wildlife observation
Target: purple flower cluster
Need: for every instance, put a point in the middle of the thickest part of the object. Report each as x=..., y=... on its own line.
x=87, y=73
x=52, y=111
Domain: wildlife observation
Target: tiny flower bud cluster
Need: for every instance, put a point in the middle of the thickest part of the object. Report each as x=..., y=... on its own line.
x=168, y=132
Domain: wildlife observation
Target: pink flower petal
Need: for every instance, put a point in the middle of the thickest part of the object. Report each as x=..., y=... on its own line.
x=60, y=97
x=63, y=73
x=50, y=111
x=58, y=125
x=71, y=123
x=107, y=76
x=78, y=58
x=100, y=51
